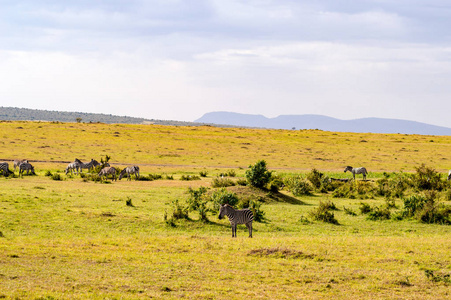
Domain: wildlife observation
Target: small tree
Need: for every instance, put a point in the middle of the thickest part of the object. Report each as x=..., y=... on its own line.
x=258, y=175
x=78, y=120
x=198, y=201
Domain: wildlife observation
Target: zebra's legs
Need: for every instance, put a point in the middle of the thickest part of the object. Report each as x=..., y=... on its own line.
x=233, y=230
x=249, y=227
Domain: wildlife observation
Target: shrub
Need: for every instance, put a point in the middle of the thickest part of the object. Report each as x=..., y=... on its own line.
x=48, y=173
x=178, y=212
x=379, y=213
x=223, y=196
x=427, y=178
x=229, y=173
x=189, y=177
x=315, y=178
x=198, y=201
x=128, y=202
x=203, y=173
x=349, y=211
x=298, y=186
x=275, y=184
x=242, y=182
x=322, y=213
x=258, y=175
x=427, y=209
x=222, y=182
x=56, y=176
x=365, y=208
x=259, y=214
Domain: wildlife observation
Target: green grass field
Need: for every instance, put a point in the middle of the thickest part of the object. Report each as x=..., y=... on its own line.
x=76, y=239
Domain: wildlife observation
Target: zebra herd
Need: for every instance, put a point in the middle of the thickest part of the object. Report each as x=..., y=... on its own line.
x=76, y=167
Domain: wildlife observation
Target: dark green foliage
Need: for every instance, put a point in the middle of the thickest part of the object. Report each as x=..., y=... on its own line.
x=128, y=202
x=322, y=213
x=56, y=176
x=48, y=173
x=365, y=208
x=438, y=278
x=203, y=173
x=179, y=211
x=315, y=178
x=275, y=184
x=427, y=178
x=229, y=173
x=298, y=186
x=222, y=182
x=255, y=206
x=349, y=211
x=223, y=196
x=198, y=201
x=355, y=190
x=242, y=182
x=379, y=213
x=189, y=177
x=258, y=175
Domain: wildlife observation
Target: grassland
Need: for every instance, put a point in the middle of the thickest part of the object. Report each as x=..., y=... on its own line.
x=73, y=239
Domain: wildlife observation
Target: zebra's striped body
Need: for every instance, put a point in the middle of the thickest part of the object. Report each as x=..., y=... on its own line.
x=242, y=216
x=4, y=167
x=108, y=171
x=17, y=163
x=74, y=166
x=354, y=171
x=93, y=163
x=26, y=167
x=129, y=170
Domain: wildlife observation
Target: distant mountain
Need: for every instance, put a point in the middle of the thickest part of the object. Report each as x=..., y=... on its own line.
x=374, y=125
x=26, y=114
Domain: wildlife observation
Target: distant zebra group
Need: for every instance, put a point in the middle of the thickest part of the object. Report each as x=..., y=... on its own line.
x=23, y=165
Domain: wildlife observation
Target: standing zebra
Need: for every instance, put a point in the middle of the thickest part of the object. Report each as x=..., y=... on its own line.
x=108, y=170
x=93, y=163
x=354, y=171
x=130, y=170
x=4, y=167
x=74, y=166
x=26, y=167
x=17, y=163
x=242, y=216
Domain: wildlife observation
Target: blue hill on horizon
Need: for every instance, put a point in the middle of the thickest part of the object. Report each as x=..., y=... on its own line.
x=364, y=125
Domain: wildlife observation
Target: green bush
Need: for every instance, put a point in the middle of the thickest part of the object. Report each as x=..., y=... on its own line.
x=189, y=177
x=427, y=178
x=315, y=178
x=379, y=213
x=259, y=214
x=258, y=175
x=222, y=182
x=56, y=176
x=322, y=213
x=198, y=201
x=223, y=196
x=298, y=186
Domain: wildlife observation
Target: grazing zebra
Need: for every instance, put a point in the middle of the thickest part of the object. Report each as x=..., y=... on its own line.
x=354, y=171
x=449, y=175
x=4, y=167
x=129, y=170
x=17, y=163
x=74, y=166
x=108, y=170
x=242, y=216
x=93, y=163
x=26, y=167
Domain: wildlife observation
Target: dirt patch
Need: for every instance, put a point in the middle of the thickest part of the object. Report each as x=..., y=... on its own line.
x=280, y=253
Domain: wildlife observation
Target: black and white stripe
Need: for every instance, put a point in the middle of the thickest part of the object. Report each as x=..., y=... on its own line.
x=4, y=167
x=17, y=163
x=90, y=165
x=129, y=170
x=242, y=216
x=108, y=171
x=73, y=166
x=354, y=171
x=26, y=167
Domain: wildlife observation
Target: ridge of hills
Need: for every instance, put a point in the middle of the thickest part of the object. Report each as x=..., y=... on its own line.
x=363, y=125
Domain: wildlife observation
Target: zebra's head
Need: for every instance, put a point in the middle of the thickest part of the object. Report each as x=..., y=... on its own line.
x=222, y=211
x=95, y=163
x=122, y=173
x=348, y=168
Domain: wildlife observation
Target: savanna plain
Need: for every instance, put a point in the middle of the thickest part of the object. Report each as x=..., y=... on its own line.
x=77, y=237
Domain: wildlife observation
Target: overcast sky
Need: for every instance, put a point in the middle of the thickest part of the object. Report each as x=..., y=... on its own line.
x=176, y=60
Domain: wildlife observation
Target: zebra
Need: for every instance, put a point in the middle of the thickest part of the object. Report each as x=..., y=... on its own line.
x=93, y=163
x=129, y=170
x=108, y=170
x=4, y=167
x=73, y=166
x=17, y=163
x=449, y=175
x=354, y=171
x=242, y=216
x=26, y=167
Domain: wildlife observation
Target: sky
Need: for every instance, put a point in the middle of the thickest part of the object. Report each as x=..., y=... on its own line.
x=177, y=60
